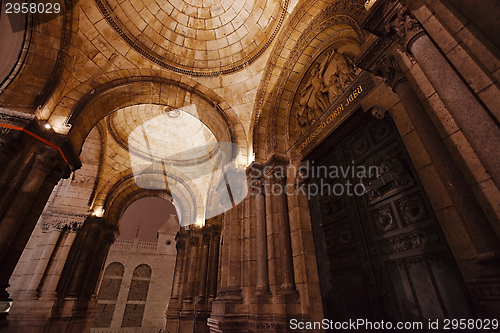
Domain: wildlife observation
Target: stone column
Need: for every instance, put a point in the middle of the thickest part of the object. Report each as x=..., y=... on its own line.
x=232, y=225
x=107, y=236
x=86, y=258
x=10, y=144
x=80, y=276
x=214, y=262
x=181, y=243
x=43, y=162
x=234, y=282
x=49, y=245
x=49, y=290
x=473, y=119
x=258, y=193
x=172, y=314
x=475, y=221
x=190, y=284
x=286, y=257
x=476, y=123
x=42, y=170
x=204, y=263
x=478, y=127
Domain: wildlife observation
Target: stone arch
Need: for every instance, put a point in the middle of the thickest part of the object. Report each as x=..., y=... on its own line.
x=125, y=192
x=40, y=67
x=85, y=113
x=291, y=56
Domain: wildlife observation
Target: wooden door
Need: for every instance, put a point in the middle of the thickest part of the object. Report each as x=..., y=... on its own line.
x=381, y=255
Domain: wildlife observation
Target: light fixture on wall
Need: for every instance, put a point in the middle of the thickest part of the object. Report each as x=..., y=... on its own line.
x=98, y=212
x=369, y=4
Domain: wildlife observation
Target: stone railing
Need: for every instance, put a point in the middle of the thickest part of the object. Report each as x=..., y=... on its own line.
x=135, y=245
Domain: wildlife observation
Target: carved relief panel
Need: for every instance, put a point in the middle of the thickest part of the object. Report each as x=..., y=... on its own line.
x=325, y=80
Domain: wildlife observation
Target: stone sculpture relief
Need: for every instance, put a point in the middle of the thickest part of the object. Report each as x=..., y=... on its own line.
x=328, y=80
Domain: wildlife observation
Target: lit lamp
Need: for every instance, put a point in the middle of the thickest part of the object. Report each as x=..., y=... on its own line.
x=369, y=4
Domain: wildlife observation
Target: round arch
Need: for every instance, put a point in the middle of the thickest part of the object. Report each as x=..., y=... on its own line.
x=118, y=197
x=288, y=62
x=85, y=113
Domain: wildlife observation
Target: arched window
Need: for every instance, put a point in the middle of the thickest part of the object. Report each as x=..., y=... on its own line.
x=137, y=295
x=108, y=294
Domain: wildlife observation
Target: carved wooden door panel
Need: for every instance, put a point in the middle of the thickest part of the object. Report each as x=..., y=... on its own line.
x=381, y=255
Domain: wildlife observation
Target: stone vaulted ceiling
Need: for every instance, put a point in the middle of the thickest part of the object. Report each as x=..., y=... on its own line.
x=197, y=37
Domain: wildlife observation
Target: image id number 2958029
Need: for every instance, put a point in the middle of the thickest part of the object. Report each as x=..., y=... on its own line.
x=32, y=8
x=461, y=324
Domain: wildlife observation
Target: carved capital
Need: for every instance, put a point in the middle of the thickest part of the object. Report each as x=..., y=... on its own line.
x=181, y=239
x=62, y=221
x=302, y=175
x=109, y=236
x=404, y=28
x=10, y=141
x=390, y=72
x=393, y=21
x=48, y=158
x=194, y=240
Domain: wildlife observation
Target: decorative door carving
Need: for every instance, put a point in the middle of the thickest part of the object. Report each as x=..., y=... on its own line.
x=381, y=255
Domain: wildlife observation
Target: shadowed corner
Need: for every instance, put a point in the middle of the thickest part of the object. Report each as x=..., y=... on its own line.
x=42, y=12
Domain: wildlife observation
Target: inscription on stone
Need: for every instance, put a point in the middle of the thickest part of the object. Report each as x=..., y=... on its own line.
x=334, y=115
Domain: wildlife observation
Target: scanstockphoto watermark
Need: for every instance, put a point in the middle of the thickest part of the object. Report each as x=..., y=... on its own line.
x=323, y=180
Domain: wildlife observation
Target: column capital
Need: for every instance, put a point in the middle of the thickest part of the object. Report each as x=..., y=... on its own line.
x=98, y=226
x=10, y=141
x=394, y=21
x=181, y=239
x=389, y=71
x=302, y=174
x=404, y=28
x=62, y=221
x=29, y=129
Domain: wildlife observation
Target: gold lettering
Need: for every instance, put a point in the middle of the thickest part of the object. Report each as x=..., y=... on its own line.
x=354, y=95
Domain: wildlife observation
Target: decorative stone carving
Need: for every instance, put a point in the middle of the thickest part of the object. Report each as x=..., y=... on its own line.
x=62, y=221
x=412, y=210
x=49, y=159
x=410, y=241
x=344, y=258
x=279, y=177
x=378, y=112
x=384, y=219
x=405, y=28
x=302, y=175
x=393, y=174
x=327, y=82
x=81, y=178
x=10, y=141
x=390, y=72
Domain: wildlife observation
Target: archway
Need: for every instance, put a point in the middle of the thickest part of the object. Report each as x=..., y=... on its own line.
x=146, y=244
